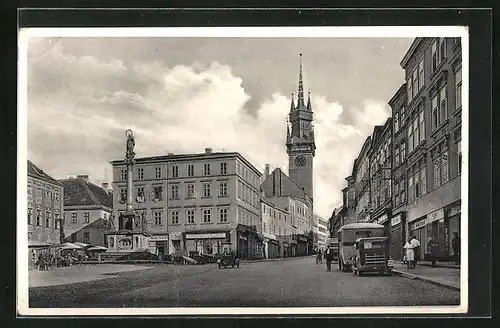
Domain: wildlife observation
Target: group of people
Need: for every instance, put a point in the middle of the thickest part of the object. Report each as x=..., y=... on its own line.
x=412, y=250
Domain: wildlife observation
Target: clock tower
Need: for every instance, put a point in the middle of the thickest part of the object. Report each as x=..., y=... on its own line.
x=300, y=144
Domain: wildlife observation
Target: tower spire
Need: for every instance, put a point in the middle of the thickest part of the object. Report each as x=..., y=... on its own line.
x=300, y=100
x=292, y=106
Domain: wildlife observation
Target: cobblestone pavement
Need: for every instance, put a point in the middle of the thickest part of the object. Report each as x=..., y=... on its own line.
x=290, y=283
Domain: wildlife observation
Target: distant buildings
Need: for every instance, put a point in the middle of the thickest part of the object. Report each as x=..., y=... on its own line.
x=45, y=209
x=322, y=231
x=87, y=211
x=407, y=175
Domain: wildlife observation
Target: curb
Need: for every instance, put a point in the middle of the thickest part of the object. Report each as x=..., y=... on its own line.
x=431, y=281
x=440, y=266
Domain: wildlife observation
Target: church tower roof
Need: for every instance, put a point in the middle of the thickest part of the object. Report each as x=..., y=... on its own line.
x=300, y=97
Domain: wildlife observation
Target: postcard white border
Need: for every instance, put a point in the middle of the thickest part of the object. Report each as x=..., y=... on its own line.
x=285, y=32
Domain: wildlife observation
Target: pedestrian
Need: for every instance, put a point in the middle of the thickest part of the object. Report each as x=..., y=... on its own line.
x=410, y=255
x=416, y=250
x=328, y=257
x=455, y=244
x=319, y=258
x=431, y=248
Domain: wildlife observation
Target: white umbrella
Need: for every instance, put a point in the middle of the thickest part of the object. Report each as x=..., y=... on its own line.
x=97, y=248
x=82, y=245
x=69, y=246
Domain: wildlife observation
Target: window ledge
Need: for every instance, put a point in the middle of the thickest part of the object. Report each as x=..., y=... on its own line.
x=205, y=197
x=220, y=222
x=205, y=223
x=190, y=224
x=437, y=70
x=174, y=198
x=439, y=127
x=175, y=224
x=223, y=196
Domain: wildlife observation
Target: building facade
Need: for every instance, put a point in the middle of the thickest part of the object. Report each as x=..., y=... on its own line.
x=323, y=232
x=380, y=154
x=292, y=199
x=433, y=113
x=362, y=186
x=45, y=210
x=196, y=202
x=88, y=210
x=399, y=170
x=277, y=228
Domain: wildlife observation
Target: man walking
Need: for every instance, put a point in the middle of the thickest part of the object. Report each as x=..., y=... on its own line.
x=431, y=248
x=329, y=258
x=410, y=255
x=455, y=244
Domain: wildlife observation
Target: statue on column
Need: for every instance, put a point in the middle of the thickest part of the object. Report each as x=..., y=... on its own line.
x=130, y=145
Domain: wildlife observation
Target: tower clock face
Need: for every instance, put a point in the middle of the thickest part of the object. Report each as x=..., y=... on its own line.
x=300, y=161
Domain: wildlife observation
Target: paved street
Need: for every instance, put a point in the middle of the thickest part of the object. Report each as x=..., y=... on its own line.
x=283, y=283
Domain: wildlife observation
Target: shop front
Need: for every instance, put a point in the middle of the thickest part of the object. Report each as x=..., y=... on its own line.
x=453, y=221
x=397, y=236
x=431, y=225
x=176, y=246
x=302, y=245
x=273, y=249
x=205, y=243
x=159, y=245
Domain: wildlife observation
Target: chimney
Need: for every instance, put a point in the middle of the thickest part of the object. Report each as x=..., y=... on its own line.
x=266, y=172
x=208, y=150
x=105, y=186
x=83, y=176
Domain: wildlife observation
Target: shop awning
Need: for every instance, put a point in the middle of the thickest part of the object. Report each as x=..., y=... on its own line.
x=37, y=243
x=219, y=235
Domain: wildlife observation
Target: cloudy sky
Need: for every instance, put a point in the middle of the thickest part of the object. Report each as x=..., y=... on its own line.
x=184, y=94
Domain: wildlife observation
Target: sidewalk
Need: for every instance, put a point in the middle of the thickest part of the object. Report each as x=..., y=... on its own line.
x=450, y=265
x=441, y=275
x=78, y=273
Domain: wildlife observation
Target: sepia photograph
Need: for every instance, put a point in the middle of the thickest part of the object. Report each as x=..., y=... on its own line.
x=242, y=170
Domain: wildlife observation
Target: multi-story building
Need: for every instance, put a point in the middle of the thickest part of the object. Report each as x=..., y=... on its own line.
x=45, y=209
x=87, y=210
x=433, y=114
x=195, y=202
x=293, y=199
x=380, y=154
x=363, y=207
x=399, y=170
x=277, y=228
x=323, y=232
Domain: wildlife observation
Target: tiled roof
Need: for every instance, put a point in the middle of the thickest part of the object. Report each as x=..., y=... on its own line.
x=35, y=172
x=78, y=191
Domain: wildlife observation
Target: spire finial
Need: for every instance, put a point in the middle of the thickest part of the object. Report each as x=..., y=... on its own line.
x=300, y=100
x=309, y=107
x=292, y=105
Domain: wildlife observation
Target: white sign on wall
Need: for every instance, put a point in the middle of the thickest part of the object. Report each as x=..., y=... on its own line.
x=396, y=220
x=159, y=237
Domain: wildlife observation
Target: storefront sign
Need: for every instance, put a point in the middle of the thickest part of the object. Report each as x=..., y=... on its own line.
x=382, y=219
x=435, y=216
x=176, y=236
x=454, y=210
x=396, y=220
x=206, y=236
x=420, y=224
x=159, y=238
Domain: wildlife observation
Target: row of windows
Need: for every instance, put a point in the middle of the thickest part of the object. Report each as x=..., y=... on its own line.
x=38, y=220
x=415, y=81
x=50, y=196
x=207, y=170
x=416, y=132
x=248, y=195
x=248, y=219
x=206, y=216
x=248, y=175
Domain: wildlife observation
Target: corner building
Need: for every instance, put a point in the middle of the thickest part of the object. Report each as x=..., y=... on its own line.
x=195, y=202
x=432, y=123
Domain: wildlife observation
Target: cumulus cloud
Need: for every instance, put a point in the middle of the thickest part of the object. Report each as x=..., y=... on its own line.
x=80, y=107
